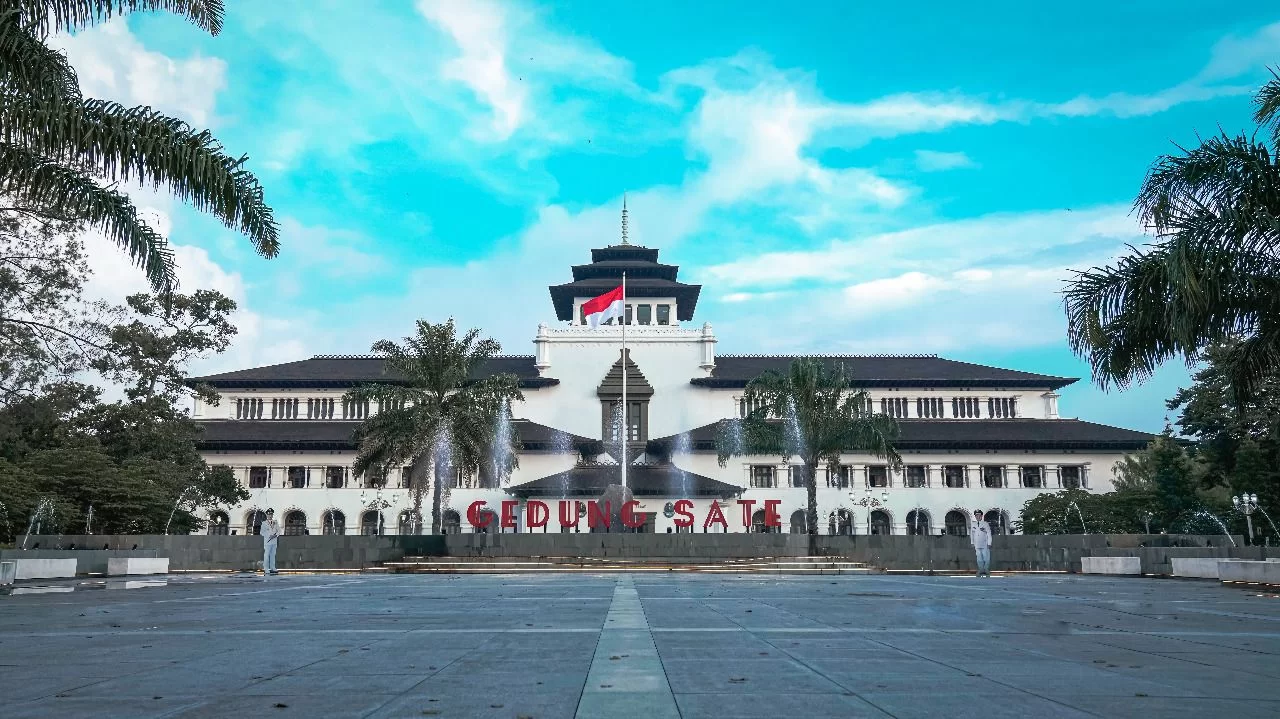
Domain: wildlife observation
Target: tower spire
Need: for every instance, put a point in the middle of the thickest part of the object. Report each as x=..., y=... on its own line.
x=624, y=219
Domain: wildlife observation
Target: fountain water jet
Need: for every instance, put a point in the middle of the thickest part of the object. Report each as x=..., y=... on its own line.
x=682, y=447
x=181, y=495
x=1268, y=516
x=1073, y=505
x=1214, y=517
x=795, y=436
x=500, y=453
x=44, y=508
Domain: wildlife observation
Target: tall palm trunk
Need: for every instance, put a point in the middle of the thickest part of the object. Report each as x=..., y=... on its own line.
x=437, y=493
x=418, y=482
x=811, y=503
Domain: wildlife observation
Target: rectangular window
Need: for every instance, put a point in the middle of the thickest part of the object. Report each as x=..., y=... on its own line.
x=1002, y=407
x=355, y=410
x=877, y=476
x=965, y=407
x=375, y=479
x=762, y=476
x=993, y=477
x=916, y=476
x=953, y=476
x=630, y=321
x=664, y=314
x=1070, y=477
x=895, y=407
x=1033, y=477
x=582, y=314
x=297, y=477
x=248, y=408
x=635, y=412
x=257, y=477
x=797, y=475
x=644, y=314
x=841, y=478
x=335, y=477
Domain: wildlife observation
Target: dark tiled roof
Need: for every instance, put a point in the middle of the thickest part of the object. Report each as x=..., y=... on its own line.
x=642, y=479
x=645, y=278
x=990, y=434
x=350, y=370
x=733, y=371
x=233, y=434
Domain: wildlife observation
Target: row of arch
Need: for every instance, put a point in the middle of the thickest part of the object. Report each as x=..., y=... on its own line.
x=332, y=521
x=918, y=522
x=841, y=521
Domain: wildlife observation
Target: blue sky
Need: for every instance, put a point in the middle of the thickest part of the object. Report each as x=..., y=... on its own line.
x=841, y=177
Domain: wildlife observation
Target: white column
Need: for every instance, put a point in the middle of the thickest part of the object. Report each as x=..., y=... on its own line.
x=1056, y=483
x=1012, y=476
x=933, y=475
x=857, y=476
x=542, y=347
x=707, y=344
x=973, y=475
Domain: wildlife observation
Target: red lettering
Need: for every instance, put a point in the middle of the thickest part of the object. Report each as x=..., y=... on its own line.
x=629, y=517
x=746, y=505
x=684, y=517
x=715, y=516
x=509, y=513
x=597, y=517
x=771, y=516
x=474, y=515
x=536, y=513
x=566, y=509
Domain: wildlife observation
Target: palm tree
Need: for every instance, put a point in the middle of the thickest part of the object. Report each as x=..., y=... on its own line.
x=435, y=414
x=811, y=413
x=1211, y=275
x=63, y=155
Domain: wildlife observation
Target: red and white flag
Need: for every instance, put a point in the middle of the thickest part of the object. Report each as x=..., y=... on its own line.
x=606, y=307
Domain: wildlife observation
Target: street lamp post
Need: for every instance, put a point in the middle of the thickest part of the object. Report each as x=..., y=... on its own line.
x=1246, y=504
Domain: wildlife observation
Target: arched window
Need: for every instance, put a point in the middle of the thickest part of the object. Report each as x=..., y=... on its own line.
x=797, y=522
x=757, y=523
x=450, y=522
x=918, y=522
x=957, y=523
x=334, y=522
x=409, y=523
x=880, y=523
x=371, y=522
x=295, y=523
x=840, y=522
x=219, y=523
x=998, y=520
x=253, y=521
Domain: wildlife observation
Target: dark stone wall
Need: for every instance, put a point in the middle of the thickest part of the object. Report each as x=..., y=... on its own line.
x=943, y=554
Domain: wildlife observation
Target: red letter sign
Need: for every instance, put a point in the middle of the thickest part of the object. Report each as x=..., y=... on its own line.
x=684, y=517
x=568, y=510
x=473, y=515
x=536, y=513
x=509, y=513
x=715, y=516
x=747, y=504
x=597, y=517
x=629, y=517
x=771, y=517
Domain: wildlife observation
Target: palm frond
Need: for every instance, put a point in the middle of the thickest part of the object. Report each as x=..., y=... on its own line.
x=45, y=16
x=141, y=145
x=1266, y=107
x=30, y=67
x=38, y=184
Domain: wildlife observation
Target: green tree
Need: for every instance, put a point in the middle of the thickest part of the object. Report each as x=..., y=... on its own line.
x=436, y=412
x=1212, y=273
x=63, y=155
x=1173, y=475
x=813, y=413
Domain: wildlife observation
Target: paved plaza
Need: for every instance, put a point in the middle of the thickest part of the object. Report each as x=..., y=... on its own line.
x=643, y=645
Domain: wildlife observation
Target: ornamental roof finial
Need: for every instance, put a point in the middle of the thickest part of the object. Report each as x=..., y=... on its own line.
x=624, y=219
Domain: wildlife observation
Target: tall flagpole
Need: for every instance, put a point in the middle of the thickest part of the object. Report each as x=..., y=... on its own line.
x=626, y=411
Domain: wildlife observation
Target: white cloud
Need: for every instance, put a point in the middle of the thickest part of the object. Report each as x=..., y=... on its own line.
x=113, y=65
x=933, y=161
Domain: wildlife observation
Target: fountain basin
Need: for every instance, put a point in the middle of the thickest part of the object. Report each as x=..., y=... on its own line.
x=1111, y=565
x=8, y=573
x=1250, y=571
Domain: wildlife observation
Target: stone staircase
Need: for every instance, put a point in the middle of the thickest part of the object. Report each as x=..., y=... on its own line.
x=524, y=565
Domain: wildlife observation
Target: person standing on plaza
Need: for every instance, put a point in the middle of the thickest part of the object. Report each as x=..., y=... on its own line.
x=270, y=534
x=980, y=538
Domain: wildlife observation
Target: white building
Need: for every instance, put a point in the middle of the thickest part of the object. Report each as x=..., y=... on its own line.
x=973, y=437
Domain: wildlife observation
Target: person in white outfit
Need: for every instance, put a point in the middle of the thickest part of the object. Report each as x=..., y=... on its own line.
x=980, y=538
x=270, y=534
